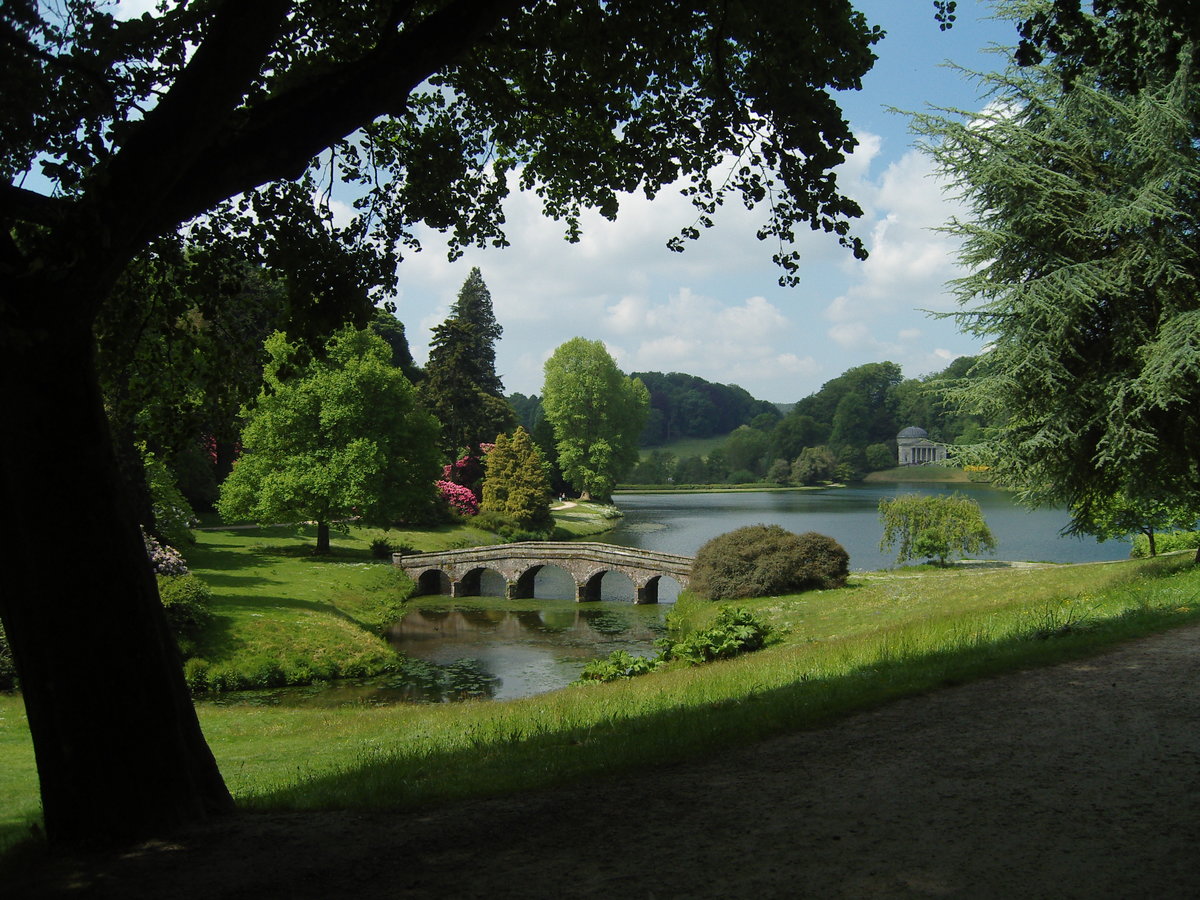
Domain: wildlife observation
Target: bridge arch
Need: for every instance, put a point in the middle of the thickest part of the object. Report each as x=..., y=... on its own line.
x=651, y=591
x=433, y=581
x=527, y=584
x=473, y=582
x=518, y=565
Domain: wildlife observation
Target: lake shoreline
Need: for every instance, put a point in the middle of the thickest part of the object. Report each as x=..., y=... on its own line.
x=682, y=521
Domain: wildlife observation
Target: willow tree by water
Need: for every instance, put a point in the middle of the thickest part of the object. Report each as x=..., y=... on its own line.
x=937, y=528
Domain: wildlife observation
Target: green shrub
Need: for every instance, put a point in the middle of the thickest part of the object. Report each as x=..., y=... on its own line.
x=509, y=528
x=172, y=513
x=1164, y=543
x=735, y=630
x=763, y=560
x=381, y=548
x=225, y=678
x=618, y=664
x=195, y=672
x=186, y=600
x=880, y=456
x=495, y=522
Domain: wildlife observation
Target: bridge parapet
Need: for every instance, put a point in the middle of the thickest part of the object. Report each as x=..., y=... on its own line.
x=518, y=564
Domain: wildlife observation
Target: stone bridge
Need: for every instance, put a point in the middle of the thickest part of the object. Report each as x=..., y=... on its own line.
x=457, y=572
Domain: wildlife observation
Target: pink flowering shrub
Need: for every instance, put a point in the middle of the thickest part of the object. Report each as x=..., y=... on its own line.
x=460, y=498
x=467, y=472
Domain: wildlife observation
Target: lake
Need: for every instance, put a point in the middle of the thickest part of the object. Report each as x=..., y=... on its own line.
x=681, y=523
x=493, y=650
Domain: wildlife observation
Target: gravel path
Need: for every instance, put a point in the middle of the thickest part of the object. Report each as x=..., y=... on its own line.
x=1079, y=780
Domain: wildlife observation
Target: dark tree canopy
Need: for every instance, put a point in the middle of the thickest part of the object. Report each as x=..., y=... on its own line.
x=385, y=324
x=688, y=406
x=241, y=120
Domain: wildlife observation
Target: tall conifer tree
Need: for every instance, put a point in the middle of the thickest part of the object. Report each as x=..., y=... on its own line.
x=1084, y=268
x=461, y=386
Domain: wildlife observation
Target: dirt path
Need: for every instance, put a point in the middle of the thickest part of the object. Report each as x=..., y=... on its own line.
x=1081, y=780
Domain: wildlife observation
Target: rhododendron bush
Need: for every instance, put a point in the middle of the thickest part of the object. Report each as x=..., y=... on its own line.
x=460, y=498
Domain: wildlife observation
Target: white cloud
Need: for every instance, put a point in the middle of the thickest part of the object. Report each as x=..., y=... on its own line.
x=707, y=337
x=715, y=310
x=910, y=263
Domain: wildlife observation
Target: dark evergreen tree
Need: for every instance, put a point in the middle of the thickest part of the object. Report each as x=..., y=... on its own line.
x=1083, y=262
x=474, y=307
x=461, y=386
x=385, y=324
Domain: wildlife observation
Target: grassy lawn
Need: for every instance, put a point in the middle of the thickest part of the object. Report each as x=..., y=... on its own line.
x=885, y=635
x=946, y=474
x=685, y=447
x=580, y=520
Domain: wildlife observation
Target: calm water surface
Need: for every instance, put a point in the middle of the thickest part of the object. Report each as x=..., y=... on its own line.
x=493, y=649
x=681, y=523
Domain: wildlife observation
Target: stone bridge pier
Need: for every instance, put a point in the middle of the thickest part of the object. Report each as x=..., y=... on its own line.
x=459, y=572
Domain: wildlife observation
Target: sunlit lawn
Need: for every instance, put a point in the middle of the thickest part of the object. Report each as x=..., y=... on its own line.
x=885, y=635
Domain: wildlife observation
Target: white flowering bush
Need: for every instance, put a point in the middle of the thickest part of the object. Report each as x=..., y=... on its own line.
x=164, y=559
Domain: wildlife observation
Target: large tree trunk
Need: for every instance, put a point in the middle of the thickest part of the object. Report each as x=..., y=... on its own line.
x=323, y=548
x=118, y=746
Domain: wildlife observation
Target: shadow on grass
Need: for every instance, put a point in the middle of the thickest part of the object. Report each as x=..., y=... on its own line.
x=505, y=758
x=253, y=603
x=220, y=580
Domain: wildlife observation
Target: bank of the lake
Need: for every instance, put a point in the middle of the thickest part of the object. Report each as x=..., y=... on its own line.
x=919, y=475
x=883, y=637
x=284, y=616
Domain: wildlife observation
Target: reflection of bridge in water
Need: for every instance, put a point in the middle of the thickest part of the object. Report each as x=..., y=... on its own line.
x=458, y=572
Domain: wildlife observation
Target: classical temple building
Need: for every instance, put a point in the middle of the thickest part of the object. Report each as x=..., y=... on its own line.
x=916, y=449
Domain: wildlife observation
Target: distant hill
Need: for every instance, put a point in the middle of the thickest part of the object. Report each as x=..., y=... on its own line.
x=686, y=406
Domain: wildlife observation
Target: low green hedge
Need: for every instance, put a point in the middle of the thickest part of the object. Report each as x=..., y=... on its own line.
x=1165, y=543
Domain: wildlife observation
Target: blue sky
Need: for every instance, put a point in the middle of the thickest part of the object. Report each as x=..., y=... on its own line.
x=716, y=310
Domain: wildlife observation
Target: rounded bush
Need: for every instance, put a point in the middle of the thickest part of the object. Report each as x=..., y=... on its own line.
x=186, y=600
x=762, y=560
x=195, y=672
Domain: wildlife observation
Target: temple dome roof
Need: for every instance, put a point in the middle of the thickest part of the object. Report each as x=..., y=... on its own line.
x=912, y=431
